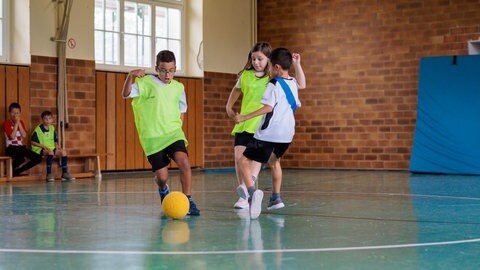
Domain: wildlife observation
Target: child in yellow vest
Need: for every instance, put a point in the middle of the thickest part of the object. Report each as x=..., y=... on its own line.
x=251, y=84
x=45, y=143
x=158, y=104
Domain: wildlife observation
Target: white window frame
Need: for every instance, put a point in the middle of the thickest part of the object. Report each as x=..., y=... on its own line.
x=5, y=31
x=178, y=4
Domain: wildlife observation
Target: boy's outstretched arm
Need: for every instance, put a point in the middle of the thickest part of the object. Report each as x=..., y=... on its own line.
x=264, y=110
x=299, y=75
x=127, y=85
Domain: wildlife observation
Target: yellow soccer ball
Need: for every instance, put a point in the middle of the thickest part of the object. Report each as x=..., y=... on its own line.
x=175, y=205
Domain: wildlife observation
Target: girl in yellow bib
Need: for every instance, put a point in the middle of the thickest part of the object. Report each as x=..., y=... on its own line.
x=251, y=84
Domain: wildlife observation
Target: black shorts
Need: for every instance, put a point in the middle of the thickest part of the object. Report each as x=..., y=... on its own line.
x=162, y=159
x=243, y=138
x=260, y=151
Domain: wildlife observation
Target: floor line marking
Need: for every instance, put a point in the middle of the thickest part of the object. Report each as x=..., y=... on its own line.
x=223, y=191
x=225, y=252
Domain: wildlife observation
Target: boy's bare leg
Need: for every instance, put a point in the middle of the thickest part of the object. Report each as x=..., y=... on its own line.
x=183, y=163
x=161, y=176
x=277, y=174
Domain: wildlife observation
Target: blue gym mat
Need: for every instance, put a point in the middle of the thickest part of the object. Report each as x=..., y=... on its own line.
x=447, y=133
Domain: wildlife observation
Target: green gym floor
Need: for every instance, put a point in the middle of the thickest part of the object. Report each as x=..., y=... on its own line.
x=332, y=220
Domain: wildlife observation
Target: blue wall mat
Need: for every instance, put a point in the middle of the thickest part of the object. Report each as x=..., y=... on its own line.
x=447, y=133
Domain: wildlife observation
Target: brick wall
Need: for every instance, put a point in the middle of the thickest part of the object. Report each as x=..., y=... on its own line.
x=361, y=61
x=80, y=134
x=218, y=142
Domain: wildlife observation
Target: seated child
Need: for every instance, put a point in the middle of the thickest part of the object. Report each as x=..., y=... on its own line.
x=45, y=143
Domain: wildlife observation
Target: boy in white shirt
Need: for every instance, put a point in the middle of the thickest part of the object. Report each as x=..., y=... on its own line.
x=275, y=132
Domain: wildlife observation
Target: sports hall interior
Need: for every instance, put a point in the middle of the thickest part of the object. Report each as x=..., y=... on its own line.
x=356, y=126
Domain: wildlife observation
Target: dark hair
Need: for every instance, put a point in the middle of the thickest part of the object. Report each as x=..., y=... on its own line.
x=14, y=105
x=282, y=57
x=263, y=47
x=46, y=113
x=165, y=56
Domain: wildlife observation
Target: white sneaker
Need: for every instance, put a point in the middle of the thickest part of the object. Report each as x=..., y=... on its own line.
x=241, y=204
x=242, y=192
x=256, y=204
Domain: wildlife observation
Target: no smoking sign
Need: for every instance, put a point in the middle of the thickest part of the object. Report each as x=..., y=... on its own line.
x=71, y=43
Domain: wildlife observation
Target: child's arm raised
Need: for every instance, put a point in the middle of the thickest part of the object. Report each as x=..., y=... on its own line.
x=127, y=86
x=299, y=75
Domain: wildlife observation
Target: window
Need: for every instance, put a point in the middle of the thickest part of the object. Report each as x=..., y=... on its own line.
x=4, y=30
x=129, y=33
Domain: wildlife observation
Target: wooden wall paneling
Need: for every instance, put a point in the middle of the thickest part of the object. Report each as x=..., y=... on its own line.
x=131, y=137
x=199, y=122
x=101, y=116
x=24, y=98
x=146, y=164
x=139, y=155
x=184, y=123
x=12, y=86
x=111, y=129
x=120, y=124
x=191, y=122
x=3, y=104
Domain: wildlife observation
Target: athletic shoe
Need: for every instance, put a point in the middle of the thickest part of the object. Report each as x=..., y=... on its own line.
x=256, y=204
x=193, y=211
x=67, y=178
x=241, y=204
x=242, y=192
x=50, y=177
x=164, y=193
x=275, y=204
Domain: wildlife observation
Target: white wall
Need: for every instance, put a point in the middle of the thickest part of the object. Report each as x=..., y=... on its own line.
x=227, y=34
x=43, y=27
x=19, y=47
x=194, y=33
x=81, y=29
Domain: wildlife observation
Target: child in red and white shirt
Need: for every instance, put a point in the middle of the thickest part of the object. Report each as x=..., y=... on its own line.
x=14, y=130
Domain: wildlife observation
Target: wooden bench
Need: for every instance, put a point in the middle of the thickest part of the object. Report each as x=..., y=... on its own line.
x=6, y=171
x=92, y=168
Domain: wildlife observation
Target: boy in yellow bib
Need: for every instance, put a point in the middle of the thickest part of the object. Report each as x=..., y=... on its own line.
x=45, y=143
x=158, y=106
